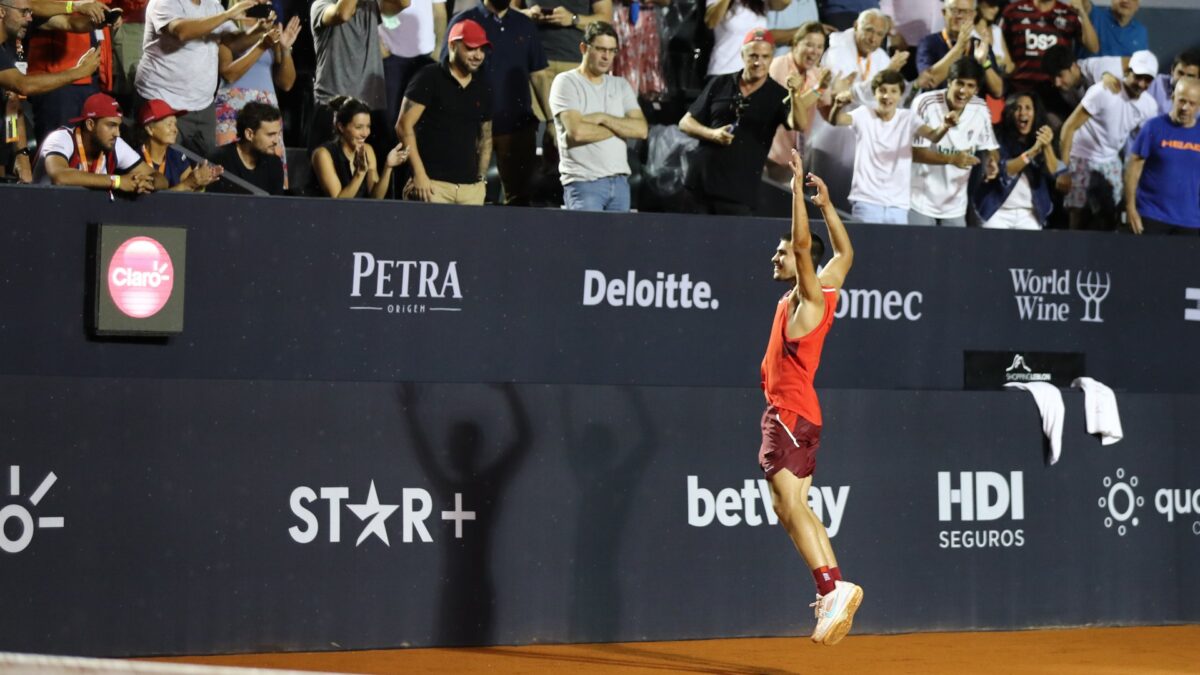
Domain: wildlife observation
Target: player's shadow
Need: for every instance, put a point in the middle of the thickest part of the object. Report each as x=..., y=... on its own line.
x=466, y=609
x=606, y=472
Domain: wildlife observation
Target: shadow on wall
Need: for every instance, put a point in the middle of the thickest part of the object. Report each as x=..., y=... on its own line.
x=607, y=470
x=466, y=609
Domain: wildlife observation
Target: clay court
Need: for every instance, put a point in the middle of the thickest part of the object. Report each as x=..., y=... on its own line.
x=1092, y=651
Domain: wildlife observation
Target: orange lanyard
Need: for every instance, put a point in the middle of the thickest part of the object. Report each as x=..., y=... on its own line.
x=858, y=61
x=161, y=168
x=83, y=155
x=946, y=37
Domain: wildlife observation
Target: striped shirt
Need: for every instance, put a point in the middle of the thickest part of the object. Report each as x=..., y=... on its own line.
x=1029, y=32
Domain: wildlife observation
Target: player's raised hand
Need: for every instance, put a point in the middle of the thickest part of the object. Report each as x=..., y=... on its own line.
x=821, y=199
x=797, y=165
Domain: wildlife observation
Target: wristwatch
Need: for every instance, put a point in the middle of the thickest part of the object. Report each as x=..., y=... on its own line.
x=575, y=20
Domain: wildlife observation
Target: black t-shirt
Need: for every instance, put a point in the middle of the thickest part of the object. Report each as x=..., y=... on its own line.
x=267, y=173
x=7, y=58
x=448, y=131
x=732, y=172
x=561, y=43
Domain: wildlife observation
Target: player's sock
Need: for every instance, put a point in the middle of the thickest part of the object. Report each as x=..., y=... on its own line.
x=836, y=573
x=825, y=582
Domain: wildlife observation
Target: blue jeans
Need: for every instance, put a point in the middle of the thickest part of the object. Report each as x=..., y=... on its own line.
x=604, y=194
x=867, y=212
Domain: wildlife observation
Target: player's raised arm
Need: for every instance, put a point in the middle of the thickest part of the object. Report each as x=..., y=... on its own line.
x=834, y=273
x=807, y=285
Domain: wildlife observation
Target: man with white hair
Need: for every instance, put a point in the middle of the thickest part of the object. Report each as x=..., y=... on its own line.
x=937, y=52
x=1092, y=138
x=1162, y=181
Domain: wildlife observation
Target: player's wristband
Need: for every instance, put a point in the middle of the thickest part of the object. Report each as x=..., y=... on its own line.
x=70, y=6
x=987, y=64
x=116, y=182
x=1026, y=158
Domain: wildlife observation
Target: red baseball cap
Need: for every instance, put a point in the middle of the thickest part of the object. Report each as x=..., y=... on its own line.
x=97, y=106
x=156, y=109
x=472, y=34
x=758, y=35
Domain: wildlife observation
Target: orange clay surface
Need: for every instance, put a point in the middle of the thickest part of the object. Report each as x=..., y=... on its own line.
x=1091, y=651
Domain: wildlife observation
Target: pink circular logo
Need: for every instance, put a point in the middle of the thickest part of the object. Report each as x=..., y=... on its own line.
x=140, y=277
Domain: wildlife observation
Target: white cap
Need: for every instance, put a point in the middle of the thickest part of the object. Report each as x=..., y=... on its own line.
x=1143, y=63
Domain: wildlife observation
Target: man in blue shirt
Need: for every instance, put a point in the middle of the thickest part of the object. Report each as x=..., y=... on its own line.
x=1162, y=181
x=1118, y=32
x=516, y=53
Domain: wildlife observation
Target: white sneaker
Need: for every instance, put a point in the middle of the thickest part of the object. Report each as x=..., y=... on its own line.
x=835, y=612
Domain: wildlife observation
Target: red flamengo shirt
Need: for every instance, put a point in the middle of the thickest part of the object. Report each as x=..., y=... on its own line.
x=1030, y=32
x=789, y=366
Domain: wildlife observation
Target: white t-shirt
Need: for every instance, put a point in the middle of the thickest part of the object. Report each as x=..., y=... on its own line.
x=728, y=35
x=940, y=190
x=593, y=161
x=1114, y=117
x=1093, y=69
x=184, y=74
x=883, y=157
x=62, y=142
x=412, y=34
x=842, y=58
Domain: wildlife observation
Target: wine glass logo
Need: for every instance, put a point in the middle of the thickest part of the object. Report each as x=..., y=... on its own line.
x=1093, y=288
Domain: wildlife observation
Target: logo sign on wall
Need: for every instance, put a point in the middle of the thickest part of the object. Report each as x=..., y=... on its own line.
x=994, y=369
x=17, y=522
x=988, y=505
x=140, y=280
x=1059, y=295
x=393, y=286
x=1123, y=498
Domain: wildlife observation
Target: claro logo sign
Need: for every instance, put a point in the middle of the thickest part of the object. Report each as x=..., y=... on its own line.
x=1052, y=296
x=17, y=523
x=140, y=277
x=661, y=290
x=404, y=286
x=981, y=497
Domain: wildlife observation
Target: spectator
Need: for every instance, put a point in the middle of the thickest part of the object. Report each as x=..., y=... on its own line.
x=800, y=66
x=1103, y=121
x=516, y=55
x=159, y=128
x=350, y=63
x=57, y=46
x=842, y=14
x=1162, y=181
x=560, y=25
x=1019, y=198
x=883, y=153
x=1116, y=29
x=254, y=157
x=937, y=52
x=345, y=167
x=456, y=134
x=593, y=113
x=942, y=169
x=180, y=64
x=412, y=38
x=92, y=154
x=1187, y=64
x=783, y=23
x=729, y=20
x=127, y=47
x=1033, y=26
x=987, y=25
x=735, y=119
x=856, y=56
x=254, y=75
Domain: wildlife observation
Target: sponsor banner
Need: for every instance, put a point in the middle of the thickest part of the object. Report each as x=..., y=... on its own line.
x=155, y=516
x=361, y=291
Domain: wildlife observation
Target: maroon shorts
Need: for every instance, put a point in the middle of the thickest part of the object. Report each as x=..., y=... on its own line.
x=788, y=442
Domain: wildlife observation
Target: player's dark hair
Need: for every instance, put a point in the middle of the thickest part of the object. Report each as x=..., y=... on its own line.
x=598, y=28
x=887, y=77
x=1188, y=57
x=816, y=250
x=966, y=69
x=253, y=115
x=1057, y=59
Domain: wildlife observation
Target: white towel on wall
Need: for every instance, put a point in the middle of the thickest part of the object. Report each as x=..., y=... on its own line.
x=1050, y=405
x=1100, y=410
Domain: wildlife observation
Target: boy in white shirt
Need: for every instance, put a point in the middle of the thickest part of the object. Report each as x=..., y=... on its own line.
x=880, y=188
x=942, y=169
x=1092, y=139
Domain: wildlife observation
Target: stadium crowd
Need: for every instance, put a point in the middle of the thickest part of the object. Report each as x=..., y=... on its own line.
x=1017, y=114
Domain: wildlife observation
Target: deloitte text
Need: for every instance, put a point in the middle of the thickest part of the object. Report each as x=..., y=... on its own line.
x=752, y=505
x=416, y=505
x=664, y=290
x=861, y=303
x=981, y=496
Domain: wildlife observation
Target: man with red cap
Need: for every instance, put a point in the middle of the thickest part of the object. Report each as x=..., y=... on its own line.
x=735, y=119
x=158, y=121
x=446, y=122
x=92, y=154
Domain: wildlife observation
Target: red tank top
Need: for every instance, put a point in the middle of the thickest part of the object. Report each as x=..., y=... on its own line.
x=789, y=366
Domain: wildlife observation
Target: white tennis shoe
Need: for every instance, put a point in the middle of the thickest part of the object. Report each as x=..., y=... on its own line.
x=835, y=612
